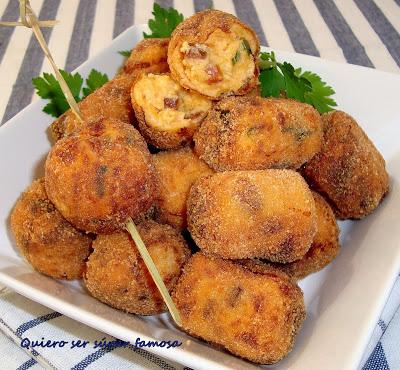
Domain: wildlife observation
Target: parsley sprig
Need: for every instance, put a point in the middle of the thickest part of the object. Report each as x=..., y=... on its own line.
x=282, y=79
x=276, y=79
x=125, y=53
x=161, y=26
x=95, y=80
x=47, y=87
x=164, y=22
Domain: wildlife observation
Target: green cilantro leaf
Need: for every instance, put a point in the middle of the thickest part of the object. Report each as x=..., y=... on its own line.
x=56, y=107
x=282, y=78
x=74, y=82
x=95, y=80
x=319, y=96
x=272, y=82
x=296, y=86
x=267, y=60
x=47, y=87
x=164, y=22
x=125, y=53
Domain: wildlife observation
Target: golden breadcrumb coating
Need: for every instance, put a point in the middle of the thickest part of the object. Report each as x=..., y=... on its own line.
x=349, y=171
x=100, y=176
x=255, y=92
x=167, y=114
x=48, y=241
x=252, y=133
x=117, y=275
x=215, y=54
x=252, y=214
x=252, y=311
x=149, y=55
x=324, y=247
x=177, y=170
x=112, y=100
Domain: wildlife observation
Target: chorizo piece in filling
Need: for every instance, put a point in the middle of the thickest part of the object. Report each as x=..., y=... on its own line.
x=214, y=53
x=167, y=114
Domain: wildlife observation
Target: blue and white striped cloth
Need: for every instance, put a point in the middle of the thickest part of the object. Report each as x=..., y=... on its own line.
x=24, y=322
x=363, y=32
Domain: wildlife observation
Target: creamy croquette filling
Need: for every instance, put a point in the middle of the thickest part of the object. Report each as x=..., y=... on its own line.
x=222, y=64
x=166, y=105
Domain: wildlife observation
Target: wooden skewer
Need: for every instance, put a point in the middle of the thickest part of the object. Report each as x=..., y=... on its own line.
x=40, y=24
x=30, y=20
x=131, y=228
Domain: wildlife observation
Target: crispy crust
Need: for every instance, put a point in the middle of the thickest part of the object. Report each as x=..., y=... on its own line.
x=255, y=92
x=251, y=133
x=324, y=248
x=117, y=275
x=252, y=214
x=100, y=176
x=177, y=170
x=161, y=139
x=252, y=311
x=48, y=241
x=112, y=100
x=149, y=55
x=196, y=30
x=349, y=171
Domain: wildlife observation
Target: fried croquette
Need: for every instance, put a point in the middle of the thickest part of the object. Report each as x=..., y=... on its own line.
x=324, y=247
x=252, y=133
x=149, y=55
x=117, y=275
x=252, y=312
x=252, y=214
x=48, y=241
x=349, y=171
x=112, y=100
x=167, y=114
x=255, y=92
x=177, y=170
x=100, y=176
x=214, y=53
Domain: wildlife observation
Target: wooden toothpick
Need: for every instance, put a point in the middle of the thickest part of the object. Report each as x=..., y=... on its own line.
x=30, y=20
x=131, y=228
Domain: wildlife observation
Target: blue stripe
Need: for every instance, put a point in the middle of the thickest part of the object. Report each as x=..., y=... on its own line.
x=27, y=364
x=34, y=352
x=30, y=324
x=382, y=27
x=165, y=3
x=295, y=27
x=377, y=360
x=92, y=358
x=22, y=91
x=79, y=45
x=353, y=51
x=11, y=13
x=382, y=325
x=103, y=351
x=200, y=5
x=152, y=358
x=247, y=13
x=124, y=13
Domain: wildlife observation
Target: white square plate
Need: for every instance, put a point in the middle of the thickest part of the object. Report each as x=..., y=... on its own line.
x=343, y=301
